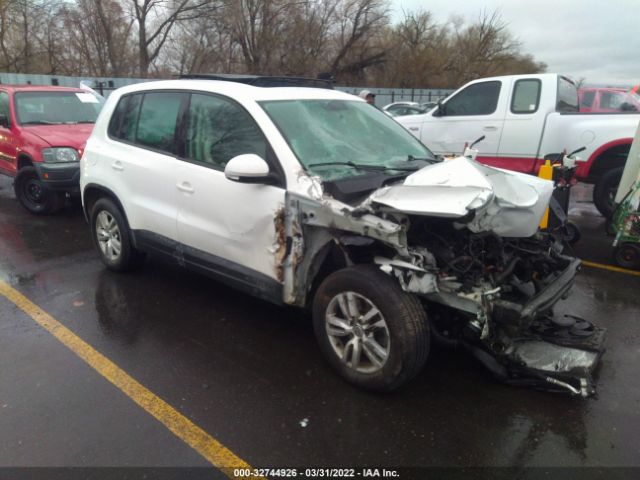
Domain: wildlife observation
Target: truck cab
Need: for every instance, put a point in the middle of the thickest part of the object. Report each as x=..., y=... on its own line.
x=525, y=119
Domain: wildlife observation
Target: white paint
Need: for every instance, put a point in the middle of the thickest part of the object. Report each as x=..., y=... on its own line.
x=248, y=165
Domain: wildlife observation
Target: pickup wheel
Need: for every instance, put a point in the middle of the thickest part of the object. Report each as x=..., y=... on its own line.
x=112, y=237
x=372, y=333
x=604, y=193
x=34, y=195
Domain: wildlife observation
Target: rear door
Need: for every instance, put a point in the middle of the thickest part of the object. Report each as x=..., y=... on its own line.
x=228, y=228
x=474, y=111
x=142, y=163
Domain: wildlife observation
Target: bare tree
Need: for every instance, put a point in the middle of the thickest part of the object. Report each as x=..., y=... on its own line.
x=24, y=28
x=350, y=39
x=156, y=18
x=98, y=32
x=358, y=23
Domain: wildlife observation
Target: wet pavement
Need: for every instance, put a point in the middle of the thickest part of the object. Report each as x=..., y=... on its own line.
x=249, y=373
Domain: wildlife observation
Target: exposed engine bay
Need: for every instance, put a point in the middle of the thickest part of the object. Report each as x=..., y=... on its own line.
x=510, y=325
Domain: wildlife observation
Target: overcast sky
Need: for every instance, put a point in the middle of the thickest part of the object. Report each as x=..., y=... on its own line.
x=598, y=40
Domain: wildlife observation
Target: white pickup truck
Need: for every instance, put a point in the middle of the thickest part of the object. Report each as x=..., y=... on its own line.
x=525, y=119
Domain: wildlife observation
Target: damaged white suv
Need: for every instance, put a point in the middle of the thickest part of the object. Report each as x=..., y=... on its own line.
x=313, y=198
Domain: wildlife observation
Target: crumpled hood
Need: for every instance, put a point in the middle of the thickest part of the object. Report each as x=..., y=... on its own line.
x=508, y=203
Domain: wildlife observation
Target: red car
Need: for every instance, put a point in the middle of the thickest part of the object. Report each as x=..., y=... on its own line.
x=608, y=100
x=43, y=131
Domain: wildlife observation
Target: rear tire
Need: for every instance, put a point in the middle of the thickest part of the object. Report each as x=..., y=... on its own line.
x=34, y=194
x=372, y=333
x=604, y=192
x=112, y=237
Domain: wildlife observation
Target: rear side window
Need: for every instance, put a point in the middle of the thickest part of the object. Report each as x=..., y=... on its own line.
x=158, y=119
x=477, y=99
x=526, y=96
x=567, y=96
x=218, y=130
x=125, y=118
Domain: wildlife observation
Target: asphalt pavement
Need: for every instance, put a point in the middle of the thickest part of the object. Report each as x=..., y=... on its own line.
x=250, y=375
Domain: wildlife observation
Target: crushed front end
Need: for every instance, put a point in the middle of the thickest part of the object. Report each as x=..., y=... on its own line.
x=495, y=298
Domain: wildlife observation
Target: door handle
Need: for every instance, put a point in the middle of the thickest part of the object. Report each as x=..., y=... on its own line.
x=117, y=166
x=490, y=129
x=185, y=187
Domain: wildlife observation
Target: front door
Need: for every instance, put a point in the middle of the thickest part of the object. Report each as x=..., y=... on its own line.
x=228, y=227
x=475, y=111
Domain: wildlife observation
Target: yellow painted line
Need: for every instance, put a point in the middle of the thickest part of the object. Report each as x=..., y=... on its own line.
x=203, y=443
x=610, y=267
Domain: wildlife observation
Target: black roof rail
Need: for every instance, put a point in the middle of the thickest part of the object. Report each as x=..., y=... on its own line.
x=262, y=80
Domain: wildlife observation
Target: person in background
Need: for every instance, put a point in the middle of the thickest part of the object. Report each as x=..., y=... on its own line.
x=368, y=96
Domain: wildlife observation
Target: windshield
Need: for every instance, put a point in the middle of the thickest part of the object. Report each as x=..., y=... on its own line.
x=55, y=108
x=340, y=138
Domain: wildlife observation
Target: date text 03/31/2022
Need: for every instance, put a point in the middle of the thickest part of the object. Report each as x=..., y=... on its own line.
x=315, y=473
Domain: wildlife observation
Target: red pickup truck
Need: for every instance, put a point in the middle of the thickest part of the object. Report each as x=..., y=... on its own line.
x=43, y=131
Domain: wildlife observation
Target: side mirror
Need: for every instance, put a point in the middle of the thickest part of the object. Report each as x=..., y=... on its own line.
x=248, y=168
x=4, y=121
x=440, y=110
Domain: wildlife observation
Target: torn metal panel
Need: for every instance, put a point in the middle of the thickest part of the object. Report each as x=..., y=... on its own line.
x=335, y=215
x=412, y=278
x=506, y=203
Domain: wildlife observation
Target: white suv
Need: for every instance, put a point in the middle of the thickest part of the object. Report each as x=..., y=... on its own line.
x=313, y=198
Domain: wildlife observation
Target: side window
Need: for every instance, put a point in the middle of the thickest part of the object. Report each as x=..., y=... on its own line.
x=4, y=106
x=157, y=121
x=526, y=96
x=124, y=120
x=218, y=130
x=476, y=99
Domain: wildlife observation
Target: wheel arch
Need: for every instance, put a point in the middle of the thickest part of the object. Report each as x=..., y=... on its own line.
x=24, y=160
x=92, y=193
x=609, y=156
x=341, y=251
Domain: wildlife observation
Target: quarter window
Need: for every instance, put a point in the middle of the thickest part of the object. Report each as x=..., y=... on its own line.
x=567, y=96
x=125, y=118
x=158, y=119
x=477, y=99
x=526, y=96
x=218, y=130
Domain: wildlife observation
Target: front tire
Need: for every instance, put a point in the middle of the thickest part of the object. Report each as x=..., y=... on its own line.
x=372, y=333
x=604, y=192
x=34, y=195
x=112, y=237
